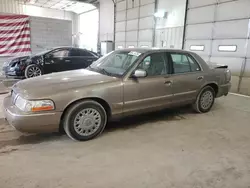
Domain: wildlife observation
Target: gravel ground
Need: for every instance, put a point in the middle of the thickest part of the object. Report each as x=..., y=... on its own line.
x=172, y=148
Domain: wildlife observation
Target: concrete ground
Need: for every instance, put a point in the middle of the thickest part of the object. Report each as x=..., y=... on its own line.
x=173, y=148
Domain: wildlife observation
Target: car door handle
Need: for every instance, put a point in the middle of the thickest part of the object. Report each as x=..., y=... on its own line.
x=168, y=82
x=200, y=77
x=67, y=61
x=89, y=60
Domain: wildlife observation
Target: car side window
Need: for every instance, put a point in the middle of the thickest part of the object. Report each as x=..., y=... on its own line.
x=85, y=53
x=194, y=65
x=74, y=53
x=155, y=64
x=60, y=53
x=183, y=64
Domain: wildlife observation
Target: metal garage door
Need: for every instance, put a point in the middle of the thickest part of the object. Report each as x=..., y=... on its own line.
x=219, y=31
x=134, y=23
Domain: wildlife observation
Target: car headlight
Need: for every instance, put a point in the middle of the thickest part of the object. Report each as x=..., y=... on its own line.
x=34, y=105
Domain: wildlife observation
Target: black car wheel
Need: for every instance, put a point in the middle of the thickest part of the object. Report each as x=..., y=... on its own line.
x=33, y=71
x=205, y=100
x=85, y=120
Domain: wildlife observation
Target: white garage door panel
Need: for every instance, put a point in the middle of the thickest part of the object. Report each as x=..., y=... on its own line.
x=144, y=2
x=222, y=1
x=119, y=44
x=247, y=68
x=120, y=36
x=197, y=3
x=145, y=35
x=201, y=15
x=145, y=44
x=120, y=26
x=147, y=10
x=199, y=31
x=248, y=48
x=147, y=23
x=205, y=58
x=133, y=13
x=233, y=10
x=121, y=16
x=131, y=36
x=240, y=43
x=132, y=25
x=234, y=64
x=205, y=43
x=132, y=5
x=121, y=6
x=131, y=44
x=231, y=29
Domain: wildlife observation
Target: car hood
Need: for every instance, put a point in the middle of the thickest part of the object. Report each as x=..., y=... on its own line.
x=50, y=84
x=15, y=59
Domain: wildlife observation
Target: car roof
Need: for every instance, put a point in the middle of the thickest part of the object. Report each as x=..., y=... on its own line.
x=146, y=50
x=67, y=47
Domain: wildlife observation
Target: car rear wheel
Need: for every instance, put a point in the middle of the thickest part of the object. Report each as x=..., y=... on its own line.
x=205, y=100
x=33, y=71
x=85, y=120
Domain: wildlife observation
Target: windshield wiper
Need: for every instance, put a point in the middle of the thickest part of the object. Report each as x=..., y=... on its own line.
x=103, y=71
x=100, y=70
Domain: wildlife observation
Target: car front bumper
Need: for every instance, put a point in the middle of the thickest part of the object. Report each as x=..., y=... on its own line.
x=15, y=73
x=31, y=123
x=224, y=90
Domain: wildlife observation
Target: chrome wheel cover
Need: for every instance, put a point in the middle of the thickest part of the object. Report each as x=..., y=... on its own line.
x=206, y=100
x=34, y=71
x=87, y=122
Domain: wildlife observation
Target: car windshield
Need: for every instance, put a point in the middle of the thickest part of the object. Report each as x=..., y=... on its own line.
x=115, y=63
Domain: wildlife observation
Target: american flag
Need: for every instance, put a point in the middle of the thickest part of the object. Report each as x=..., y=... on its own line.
x=14, y=35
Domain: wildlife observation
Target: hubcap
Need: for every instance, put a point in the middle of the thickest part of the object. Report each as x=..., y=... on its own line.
x=34, y=71
x=87, y=122
x=206, y=100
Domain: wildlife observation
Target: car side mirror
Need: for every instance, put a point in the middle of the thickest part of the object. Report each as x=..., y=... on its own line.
x=139, y=73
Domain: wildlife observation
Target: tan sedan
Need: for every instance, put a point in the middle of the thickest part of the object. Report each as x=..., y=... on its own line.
x=124, y=82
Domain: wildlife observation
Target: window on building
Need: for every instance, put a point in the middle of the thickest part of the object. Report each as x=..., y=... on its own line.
x=197, y=48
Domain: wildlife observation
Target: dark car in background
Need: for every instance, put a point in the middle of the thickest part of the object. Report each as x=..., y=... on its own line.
x=55, y=60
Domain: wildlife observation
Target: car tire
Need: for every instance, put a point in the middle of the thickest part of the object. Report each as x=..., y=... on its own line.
x=33, y=71
x=205, y=100
x=85, y=120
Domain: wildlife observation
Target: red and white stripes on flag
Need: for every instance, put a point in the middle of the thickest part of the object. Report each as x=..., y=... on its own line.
x=14, y=35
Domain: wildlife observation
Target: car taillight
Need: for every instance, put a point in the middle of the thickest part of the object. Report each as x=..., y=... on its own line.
x=228, y=75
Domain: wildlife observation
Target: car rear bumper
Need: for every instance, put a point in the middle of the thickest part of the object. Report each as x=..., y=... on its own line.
x=31, y=123
x=224, y=90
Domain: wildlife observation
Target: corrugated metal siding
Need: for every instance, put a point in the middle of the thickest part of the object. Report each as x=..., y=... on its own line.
x=11, y=6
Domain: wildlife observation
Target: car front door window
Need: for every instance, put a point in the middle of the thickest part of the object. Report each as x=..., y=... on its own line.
x=60, y=53
x=155, y=65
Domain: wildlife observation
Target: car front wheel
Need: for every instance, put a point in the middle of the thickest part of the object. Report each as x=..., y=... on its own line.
x=33, y=71
x=85, y=120
x=205, y=100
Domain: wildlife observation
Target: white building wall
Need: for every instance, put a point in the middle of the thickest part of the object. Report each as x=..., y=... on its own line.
x=106, y=26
